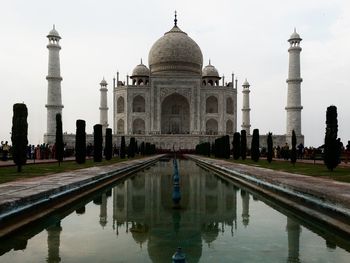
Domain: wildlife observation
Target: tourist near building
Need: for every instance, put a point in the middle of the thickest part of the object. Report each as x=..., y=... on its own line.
x=175, y=102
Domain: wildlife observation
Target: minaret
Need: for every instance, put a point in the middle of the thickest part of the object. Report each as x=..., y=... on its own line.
x=103, y=106
x=245, y=109
x=54, y=99
x=294, y=80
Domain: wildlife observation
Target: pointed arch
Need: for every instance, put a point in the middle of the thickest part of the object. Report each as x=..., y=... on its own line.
x=120, y=105
x=211, y=105
x=229, y=105
x=229, y=127
x=120, y=126
x=211, y=127
x=138, y=126
x=138, y=104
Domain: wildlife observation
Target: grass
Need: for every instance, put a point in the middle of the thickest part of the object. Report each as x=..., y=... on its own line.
x=8, y=174
x=341, y=174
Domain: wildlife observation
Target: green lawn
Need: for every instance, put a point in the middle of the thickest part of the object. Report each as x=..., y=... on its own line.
x=32, y=170
x=319, y=170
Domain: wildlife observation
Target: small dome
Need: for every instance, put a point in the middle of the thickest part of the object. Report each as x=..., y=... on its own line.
x=103, y=82
x=53, y=33
x=175, y=52
x=210, y=71
x=295, y=36
x=140, y=71
x=246, y=83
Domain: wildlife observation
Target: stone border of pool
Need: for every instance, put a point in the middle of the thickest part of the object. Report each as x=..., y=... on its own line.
x=324, y=200
x=25, y=201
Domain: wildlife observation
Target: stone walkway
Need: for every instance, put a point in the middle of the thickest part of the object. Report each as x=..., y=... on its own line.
x=19, y=195
x=322, y=200
x=326, y=190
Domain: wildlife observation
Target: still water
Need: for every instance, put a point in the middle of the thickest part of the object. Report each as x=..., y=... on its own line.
x=134, y=221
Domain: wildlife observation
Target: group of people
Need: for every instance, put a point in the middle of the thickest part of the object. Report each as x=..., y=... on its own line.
x=5, y=150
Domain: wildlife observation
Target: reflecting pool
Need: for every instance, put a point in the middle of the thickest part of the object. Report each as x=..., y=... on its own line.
x=135, y=221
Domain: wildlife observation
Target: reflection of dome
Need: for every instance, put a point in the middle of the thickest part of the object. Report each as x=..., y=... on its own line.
x=175, y=52
x=210, y=232
x=139, y=232
x=140, y=71
x=210, y=71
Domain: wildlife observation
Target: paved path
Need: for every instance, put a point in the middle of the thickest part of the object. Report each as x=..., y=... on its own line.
x=31, y=161
x=18, y=195
x=326, y=190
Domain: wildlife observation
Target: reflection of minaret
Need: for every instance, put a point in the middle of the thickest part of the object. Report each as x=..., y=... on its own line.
x=293, y=230
x=103, y=211
x=53, y=243
x=245, y=207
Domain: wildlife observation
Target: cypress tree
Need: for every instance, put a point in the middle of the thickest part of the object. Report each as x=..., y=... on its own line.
x=80, y=142
x=293, y=153
x=136, y=151
x=269, y=147
x=122, y=148
x=59, y=139
x=142, y=148
x=148, y=148
x=236, y=143
x=131, y=148
x=216, y=148
x=243, y=144
x=255, y=153
x=19, y=135
x=108, y=144
x=331, y=146
x=98, y=143
x=226, y=142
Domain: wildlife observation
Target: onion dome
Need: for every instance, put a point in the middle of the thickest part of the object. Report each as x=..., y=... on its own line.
x=175, y=53
x=246, y=83
x=53, y=33
x=140, y=70
x=103, y=82
x=295, y=36
x=210, y=71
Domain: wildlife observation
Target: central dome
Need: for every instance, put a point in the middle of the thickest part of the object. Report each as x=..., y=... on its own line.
x=175, y=53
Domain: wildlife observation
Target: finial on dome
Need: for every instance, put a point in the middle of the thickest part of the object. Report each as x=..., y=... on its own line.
x=54, y=26
x=175, y=20
x=209, y=62
x=141, y=61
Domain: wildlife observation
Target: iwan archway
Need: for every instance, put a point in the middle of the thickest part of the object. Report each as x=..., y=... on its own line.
x=175, y=115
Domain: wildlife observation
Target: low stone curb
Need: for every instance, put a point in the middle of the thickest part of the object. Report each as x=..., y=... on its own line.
x=20, y=196
x=312, y=198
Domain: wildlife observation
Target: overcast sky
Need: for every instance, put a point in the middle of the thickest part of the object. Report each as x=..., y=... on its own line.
x=246, y=37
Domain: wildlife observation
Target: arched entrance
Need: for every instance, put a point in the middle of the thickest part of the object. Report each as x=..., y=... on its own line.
x=175, y=115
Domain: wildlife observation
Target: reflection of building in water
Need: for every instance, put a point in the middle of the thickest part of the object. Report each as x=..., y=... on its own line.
x=103, y=210
x=145, y=204
x=245, y=207
x=293, y=230
x=53, y=242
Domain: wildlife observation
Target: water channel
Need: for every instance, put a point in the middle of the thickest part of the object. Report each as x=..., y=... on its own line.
x=135, y=221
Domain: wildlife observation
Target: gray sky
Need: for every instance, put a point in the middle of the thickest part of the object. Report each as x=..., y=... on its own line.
x=247, y=37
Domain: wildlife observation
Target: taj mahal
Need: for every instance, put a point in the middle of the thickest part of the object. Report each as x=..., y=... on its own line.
x=175, y=102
